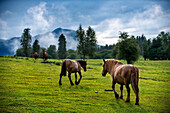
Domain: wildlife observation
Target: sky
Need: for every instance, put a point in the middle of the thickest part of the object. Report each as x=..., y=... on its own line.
x=106, y=17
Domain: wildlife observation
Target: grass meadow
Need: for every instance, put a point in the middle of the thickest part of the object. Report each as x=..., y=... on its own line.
x=27, y=86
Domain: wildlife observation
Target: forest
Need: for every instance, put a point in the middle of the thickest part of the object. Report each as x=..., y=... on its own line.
x=128, y=46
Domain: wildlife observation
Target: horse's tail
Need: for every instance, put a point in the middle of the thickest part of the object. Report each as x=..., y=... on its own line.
x=134, y=82
x=135, y=79
x=63, y=69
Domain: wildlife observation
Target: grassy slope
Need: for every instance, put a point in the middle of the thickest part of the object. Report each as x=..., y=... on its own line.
x=28, y=86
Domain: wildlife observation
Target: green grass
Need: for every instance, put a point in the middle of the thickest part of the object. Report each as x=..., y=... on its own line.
x=27, y=85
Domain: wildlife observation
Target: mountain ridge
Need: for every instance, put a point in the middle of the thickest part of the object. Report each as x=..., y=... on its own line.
x=9, y=47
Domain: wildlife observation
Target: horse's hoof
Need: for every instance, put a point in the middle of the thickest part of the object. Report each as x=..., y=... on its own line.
x=60, y=83
x=136, y=103
x=72, y=84
x=121, y=97
x=76, y=83
x=116, y=96
x=127, y=100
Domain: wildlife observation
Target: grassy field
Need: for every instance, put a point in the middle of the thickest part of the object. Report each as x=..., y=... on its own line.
x=27, y=85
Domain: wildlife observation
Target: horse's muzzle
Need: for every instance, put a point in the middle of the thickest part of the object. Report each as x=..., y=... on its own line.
x=103, y=74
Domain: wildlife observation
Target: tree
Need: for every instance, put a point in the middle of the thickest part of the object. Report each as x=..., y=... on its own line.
x=160, y=47
x=26, y=41
x=62, y=47
x=20, y=52
x=123, y=35
x=156, y=50
x=109, y=47
x=81, y=47
x=115, y=51
x=128, y=48
x=140, y=40
x=146, y=45
x=165, y=43
x=52, y=52
x=71, y=54
x=104, y=54
x=91, y=42
x=87, y=42
x=36, y=47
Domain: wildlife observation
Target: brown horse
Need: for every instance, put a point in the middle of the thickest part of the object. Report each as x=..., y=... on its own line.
x=72, y=67
x=123, y=75
x=45, y=55
x=35, y=55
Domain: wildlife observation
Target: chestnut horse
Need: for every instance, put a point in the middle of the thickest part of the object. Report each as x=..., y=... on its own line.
x=123, y=75
x=45, y=55
x=72, y=67
x=35, y=55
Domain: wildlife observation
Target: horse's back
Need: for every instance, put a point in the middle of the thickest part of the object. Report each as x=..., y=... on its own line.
x=123, y=73
x=72, y=66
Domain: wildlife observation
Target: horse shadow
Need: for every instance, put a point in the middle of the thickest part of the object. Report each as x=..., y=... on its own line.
x=120, y=103
x=76, y=88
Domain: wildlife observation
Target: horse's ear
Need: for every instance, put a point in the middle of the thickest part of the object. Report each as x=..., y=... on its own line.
x=104, y=60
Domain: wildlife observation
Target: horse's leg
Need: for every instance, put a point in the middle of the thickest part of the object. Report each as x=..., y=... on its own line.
x=121, y=89
x=69, y=76
x=76, y=78
x=136, y=91
x=60, y=80
x=113, y=86
x=79, y=78
x=137, y=96
x=128, y=91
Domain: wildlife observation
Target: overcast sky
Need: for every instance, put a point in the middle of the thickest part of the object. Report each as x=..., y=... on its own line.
x=106, y=17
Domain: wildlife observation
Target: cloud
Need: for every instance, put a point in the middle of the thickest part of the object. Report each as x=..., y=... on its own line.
x=3, y=29
x=15, y=45
x=48, y=39
x=38, y=19
x=62, y=13
x=107, y=30
x=6, y=13
x=4, y=25
x=150, y=21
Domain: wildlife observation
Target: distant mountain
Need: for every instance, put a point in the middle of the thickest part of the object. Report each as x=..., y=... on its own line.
x=9, y=47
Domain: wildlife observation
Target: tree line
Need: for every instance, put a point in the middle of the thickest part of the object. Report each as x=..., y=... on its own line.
x=129, y=48
x=151, y=49
x=86, y=47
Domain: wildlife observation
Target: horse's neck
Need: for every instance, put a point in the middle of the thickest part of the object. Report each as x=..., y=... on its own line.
x=110, y=67
x=118, y=64
x=114, y=67
x=80, y=62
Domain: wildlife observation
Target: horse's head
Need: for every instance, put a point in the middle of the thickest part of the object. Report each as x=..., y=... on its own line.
x=83, y=64
x=104, y=72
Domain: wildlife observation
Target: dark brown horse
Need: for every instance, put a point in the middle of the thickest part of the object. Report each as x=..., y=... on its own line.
x=72, y=67
x=123, y=75
x=35, y=55
x=45, y=55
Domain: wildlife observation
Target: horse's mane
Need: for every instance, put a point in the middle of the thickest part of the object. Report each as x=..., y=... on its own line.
x=82, y=63
x=112, y=62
